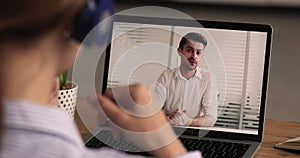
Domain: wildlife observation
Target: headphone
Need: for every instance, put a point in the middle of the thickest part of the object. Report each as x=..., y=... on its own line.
x=93, y=13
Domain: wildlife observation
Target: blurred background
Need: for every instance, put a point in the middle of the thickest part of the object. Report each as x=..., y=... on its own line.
x=283, y=16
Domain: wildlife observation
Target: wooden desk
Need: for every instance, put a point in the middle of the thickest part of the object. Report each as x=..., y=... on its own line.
x=275, y=132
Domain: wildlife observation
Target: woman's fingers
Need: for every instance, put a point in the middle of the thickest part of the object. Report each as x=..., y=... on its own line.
x=109, y=94
x=115, y=114
x=137, y=94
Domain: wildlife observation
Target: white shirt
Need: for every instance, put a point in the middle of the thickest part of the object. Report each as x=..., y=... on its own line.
x=38, y=131
x=197, y=95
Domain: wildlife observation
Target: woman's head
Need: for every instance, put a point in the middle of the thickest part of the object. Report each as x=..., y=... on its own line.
x=40, y=25
x=28, y=27
x=31, y=17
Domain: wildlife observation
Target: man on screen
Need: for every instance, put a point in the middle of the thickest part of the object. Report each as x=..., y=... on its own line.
x=188, y=93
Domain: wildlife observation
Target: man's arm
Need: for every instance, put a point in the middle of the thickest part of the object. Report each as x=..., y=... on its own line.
x=179, y=117
x=160, y=90
x=209, y=110
x=204, y=121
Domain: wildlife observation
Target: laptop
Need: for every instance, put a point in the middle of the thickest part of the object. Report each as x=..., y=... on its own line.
x=238, y=54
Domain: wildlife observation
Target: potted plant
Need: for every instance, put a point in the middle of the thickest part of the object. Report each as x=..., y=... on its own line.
x=67, y=96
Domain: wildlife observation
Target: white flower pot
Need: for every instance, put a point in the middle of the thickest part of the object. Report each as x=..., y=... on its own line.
x=67, y=99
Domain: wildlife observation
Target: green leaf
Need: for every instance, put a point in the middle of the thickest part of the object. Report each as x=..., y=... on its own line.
x=63, y=78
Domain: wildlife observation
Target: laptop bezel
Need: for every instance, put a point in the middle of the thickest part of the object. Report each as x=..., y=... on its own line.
x=208, y=24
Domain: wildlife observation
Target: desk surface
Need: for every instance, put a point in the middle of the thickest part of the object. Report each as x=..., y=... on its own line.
x=275, y=132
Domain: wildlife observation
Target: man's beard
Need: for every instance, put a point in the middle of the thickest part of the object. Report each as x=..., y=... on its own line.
x=190, y=64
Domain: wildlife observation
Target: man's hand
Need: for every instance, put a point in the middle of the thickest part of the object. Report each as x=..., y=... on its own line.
x=180, y=118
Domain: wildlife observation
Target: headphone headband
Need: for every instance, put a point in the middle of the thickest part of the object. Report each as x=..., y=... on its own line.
x=92, y=14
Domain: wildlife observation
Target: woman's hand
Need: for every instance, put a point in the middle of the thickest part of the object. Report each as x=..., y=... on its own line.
x=136, y=115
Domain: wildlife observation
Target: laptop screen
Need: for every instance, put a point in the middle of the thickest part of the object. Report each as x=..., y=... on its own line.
x=237, y=55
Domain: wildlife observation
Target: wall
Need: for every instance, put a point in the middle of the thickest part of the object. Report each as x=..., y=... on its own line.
x=284, y=85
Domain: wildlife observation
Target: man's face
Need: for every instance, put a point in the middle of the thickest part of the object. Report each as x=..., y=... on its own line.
x=191, y=54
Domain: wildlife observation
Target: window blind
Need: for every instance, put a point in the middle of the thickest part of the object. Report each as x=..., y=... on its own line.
x=140, y=53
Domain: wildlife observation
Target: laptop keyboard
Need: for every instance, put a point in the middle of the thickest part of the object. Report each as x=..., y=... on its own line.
x=107, y=140
x=215, y=149
x=208, y=148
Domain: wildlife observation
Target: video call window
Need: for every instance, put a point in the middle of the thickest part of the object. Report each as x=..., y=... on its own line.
x=141, y=52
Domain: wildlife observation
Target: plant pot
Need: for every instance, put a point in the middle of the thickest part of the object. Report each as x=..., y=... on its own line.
x=67, y=99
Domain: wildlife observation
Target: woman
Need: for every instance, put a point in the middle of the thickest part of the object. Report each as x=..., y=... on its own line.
x=35, y=47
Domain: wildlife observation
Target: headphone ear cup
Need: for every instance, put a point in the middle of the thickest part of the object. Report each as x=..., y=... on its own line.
x=93, y=14
x=103, y=21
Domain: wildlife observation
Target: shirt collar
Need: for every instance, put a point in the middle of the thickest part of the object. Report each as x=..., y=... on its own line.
x=178, y=73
